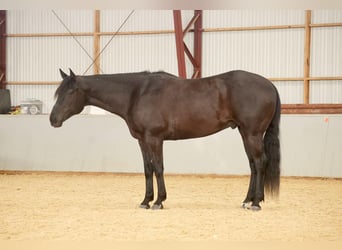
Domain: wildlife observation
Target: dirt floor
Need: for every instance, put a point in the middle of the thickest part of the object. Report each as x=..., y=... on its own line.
x=106, y=207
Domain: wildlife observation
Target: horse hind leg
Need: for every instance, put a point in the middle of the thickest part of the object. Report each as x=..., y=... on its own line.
x=254, y=149
x=251, y=188
x=259, y=182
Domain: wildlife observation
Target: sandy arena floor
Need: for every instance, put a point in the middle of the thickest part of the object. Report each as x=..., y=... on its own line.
x=105, y=207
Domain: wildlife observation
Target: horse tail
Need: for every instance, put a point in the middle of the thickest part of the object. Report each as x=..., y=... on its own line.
x=272, y=151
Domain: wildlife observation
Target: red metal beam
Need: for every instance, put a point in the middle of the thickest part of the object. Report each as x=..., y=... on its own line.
x=2, y=49
x=198, y=29
x=182, y=48
x=177, y=17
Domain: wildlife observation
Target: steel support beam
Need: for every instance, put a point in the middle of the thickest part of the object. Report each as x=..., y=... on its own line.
x=2, y=49
x=177, y=18
x=182, y=48
x=198, y=29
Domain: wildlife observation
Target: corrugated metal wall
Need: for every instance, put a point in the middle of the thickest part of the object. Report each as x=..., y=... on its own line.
x=141, y=20
x=326, y=57
x=251, y=18
x=272, y=53
x=139, y=53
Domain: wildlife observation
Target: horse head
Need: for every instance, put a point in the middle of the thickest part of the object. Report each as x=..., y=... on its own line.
x=70, y=99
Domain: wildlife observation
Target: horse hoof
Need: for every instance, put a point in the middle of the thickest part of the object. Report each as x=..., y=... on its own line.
x=245, y=205
x=144, y=206
x=157, y=206
x=255, y=208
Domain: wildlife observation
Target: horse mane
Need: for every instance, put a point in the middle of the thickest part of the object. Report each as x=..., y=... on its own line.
x=69, y=81
x=163, y=73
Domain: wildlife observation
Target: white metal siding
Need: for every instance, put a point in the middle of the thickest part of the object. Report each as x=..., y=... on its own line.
x=326, y=16
x=141, y=20
x=44, y=21
x=326, y=59
x=271, y=53
x=251, y=18
x=291, y=92
x=139, y=53
x=326, y=51
x=39, y=58
x=326, y=91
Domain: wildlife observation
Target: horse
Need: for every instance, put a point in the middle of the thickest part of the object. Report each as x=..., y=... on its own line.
x=158, y=106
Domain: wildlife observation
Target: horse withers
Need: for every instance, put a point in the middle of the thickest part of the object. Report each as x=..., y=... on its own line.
x=159, y=106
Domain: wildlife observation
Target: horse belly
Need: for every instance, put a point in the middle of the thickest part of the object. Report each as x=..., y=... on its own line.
x=192, y=126
x=199, y=113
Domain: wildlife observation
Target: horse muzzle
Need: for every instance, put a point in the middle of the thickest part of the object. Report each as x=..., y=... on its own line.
x=56, y=123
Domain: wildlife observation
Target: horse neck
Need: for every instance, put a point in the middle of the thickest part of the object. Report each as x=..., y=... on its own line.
x=110, y=94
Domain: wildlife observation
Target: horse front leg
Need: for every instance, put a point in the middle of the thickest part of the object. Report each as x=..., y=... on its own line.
x=156, y=147
x=159, y=172
x=148, y=170
x=153, y=158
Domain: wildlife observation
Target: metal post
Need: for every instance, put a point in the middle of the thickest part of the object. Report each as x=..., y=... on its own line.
x=196, y=58
x=198, y=45
x=177, y=17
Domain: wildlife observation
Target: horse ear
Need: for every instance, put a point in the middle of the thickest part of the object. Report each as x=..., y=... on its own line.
x=72, y=74
x=63, y=75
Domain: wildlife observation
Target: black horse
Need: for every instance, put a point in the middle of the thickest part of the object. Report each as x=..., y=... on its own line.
x=159, y=106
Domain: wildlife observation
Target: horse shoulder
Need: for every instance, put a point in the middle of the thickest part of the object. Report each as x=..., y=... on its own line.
x=144, y=114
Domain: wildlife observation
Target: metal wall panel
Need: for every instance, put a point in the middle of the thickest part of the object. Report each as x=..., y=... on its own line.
x=44, y=21
x=251, y=18
x=39, y=58
x=139, y=53
x=290, y=92
x=141, y=20
x=271, y=53
x=326, y=16
x=326, y=60
x=326, y=51
x=326, y=91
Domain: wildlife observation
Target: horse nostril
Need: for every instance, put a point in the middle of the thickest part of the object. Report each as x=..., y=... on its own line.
x=53, y=121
